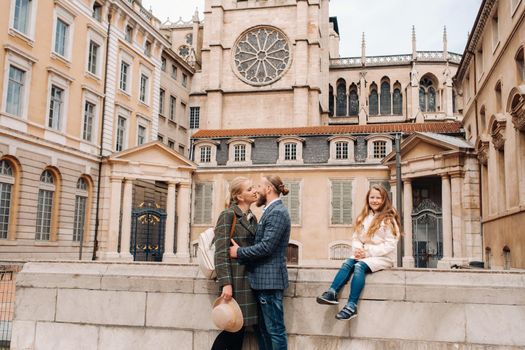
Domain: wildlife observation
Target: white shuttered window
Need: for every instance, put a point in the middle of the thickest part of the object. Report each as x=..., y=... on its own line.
x=292, y=201
x=203, y=203
x=341, y=202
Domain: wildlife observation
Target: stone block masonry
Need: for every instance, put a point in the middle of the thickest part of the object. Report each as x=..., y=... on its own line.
x=109, y=306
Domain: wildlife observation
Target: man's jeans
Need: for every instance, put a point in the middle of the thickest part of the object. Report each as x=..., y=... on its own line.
x=271, y=333
x=359, y=269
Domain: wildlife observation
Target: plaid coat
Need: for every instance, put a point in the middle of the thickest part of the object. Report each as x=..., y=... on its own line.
x=230, y=271
x=267, y=257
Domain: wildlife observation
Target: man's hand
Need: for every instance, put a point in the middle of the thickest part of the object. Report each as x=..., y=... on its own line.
x=233, y=249
x=227, y=292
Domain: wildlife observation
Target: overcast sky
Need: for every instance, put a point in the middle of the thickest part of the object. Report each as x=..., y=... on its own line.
x=387, y=23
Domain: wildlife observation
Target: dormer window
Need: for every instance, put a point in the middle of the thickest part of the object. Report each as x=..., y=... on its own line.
x=206, y=152
x=341, y=149
x=290, y=150
x=378, y=147
x=240, y=151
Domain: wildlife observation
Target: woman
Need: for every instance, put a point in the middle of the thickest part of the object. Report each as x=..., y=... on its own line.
x=231, y=275
x=374, y=245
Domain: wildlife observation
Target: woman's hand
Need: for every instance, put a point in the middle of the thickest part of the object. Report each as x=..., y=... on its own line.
x=227, y=292
x=359, y=253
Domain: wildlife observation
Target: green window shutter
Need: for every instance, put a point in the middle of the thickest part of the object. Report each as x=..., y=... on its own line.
x=293, y=201
x=341, y=202
x=203, y=203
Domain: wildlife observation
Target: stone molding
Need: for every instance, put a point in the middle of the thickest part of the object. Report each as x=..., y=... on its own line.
x=497, y=127
x=517, y=107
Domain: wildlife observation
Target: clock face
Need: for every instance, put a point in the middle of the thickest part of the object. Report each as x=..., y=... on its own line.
x=261, y=55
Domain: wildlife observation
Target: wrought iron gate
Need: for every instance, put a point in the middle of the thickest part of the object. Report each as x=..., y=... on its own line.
x=147, y=234
x=427, y=237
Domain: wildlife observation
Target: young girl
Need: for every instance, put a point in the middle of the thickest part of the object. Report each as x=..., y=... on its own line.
x=374, y=245
x=231, y=275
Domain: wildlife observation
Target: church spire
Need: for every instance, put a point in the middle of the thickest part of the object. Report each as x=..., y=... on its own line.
x=196, y=15
x=414, y=50
x=445, y=43
x=363, y=49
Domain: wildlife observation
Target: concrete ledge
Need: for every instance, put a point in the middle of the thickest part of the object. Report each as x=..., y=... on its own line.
x=86, y=305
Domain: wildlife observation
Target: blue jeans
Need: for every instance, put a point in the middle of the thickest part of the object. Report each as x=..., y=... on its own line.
x=271, y=333
x=359, y=269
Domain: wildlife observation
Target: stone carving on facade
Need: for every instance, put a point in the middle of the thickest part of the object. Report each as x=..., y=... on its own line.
x=447, y=74
x=414, y=76
x=261, y=55
x=497, y=131
x=517, y=110
x=482, y=148
x=426, y=205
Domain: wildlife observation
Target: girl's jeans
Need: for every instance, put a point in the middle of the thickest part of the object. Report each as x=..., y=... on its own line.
x=359, y=269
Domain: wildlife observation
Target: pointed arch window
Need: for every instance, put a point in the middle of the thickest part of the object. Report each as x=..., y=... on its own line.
x=330, y=101
x=427, y=95
x=353, y=101
x=372, y=101
x=398, y=102
x=7, y=181
x=386, y=106
x=431, y=104
x=341, y=108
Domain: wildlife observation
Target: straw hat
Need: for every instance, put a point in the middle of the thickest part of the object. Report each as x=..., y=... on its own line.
x=227, y=315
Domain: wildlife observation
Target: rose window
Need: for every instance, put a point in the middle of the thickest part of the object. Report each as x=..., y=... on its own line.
x=261, y=55
x=184, y=51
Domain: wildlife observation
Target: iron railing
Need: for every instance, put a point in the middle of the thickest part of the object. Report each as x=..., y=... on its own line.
x=7, y=302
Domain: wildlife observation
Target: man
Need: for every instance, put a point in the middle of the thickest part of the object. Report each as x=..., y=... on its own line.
x=268, y=274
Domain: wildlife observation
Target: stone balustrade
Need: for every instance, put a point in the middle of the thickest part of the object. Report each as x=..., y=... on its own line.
x=75, y=305
x=422, y=56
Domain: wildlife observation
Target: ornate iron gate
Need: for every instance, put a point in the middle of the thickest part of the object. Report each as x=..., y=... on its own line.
x=427, y=237
x=147, y=234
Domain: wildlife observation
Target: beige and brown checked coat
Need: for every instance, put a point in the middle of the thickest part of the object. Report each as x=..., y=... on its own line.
x=229, y=271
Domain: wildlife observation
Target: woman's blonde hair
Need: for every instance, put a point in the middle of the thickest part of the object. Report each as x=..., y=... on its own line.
x=235, y=189
x=386, y=213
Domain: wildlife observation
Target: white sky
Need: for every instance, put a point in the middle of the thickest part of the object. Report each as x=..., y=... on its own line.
x=387, y=23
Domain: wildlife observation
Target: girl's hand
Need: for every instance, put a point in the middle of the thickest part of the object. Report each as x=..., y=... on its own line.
x=359, y=253
x=227, y=292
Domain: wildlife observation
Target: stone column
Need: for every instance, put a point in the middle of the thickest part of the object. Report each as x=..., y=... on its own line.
x=457, y=219
x=126, y=220
x=111, y=252
x=445, y=262
x=183, y=224
x=408, y=258
x=169, y=237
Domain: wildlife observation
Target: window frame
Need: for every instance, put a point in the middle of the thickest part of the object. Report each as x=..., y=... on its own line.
x=29, y=35
x=370, y=146
x=144, y=72
x=128, y=60
x=207, y=212
x=290, y=184
x=213, y=150
x=11, y=182
x=126, y=115
x=283, y=141
x=144, y=124
x=67, y=18
x=62, y=83
x=86, y=195
x=21, y=63
x=333, y=181
x=334, y=140
x=192, y=117
x=232, y=144
x=95, y=38
x=55, y=205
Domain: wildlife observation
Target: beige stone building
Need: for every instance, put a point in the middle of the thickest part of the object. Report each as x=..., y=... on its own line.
x=491, y=80
x=81, y=84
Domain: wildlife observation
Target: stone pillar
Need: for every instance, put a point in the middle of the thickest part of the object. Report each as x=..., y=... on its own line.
x=445, y=262
x=408, y=258
x=111, y=252
x=127, y=202
x=457, y=220
x=183, y=224
x=169, y=237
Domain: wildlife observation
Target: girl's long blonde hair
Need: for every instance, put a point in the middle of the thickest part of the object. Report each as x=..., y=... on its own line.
x=386, y=213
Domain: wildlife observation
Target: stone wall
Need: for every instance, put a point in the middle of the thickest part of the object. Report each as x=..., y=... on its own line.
x=72, y=305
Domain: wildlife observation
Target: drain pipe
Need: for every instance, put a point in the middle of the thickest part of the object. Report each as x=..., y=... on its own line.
x=399, y=198
x=97, y=216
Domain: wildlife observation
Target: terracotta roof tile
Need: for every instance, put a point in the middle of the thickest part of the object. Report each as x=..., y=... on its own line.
x=440, y=128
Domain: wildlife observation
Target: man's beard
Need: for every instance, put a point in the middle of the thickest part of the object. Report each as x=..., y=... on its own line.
x=261, y=200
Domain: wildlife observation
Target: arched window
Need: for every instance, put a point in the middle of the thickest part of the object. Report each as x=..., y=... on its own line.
x=340, y=251
x=353, y=100
x=341, y=99
x=330, y=101
x=507, y=262
x=398, y=102
x=7, y=181
x=427, y=95
x=520, y=65
x=44, y=212
x=372, y=101
x=386, y=106
x=80, y=218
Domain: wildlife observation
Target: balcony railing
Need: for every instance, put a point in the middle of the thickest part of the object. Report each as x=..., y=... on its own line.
x=388, y=60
